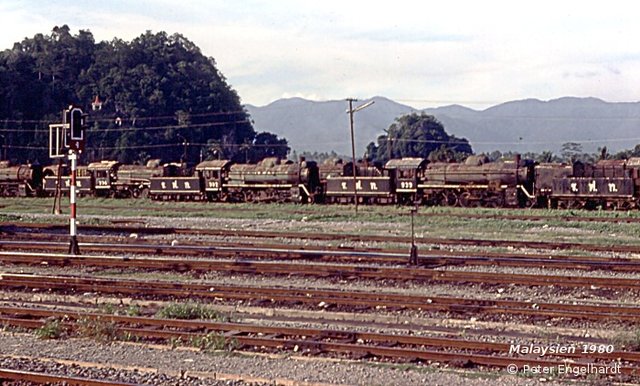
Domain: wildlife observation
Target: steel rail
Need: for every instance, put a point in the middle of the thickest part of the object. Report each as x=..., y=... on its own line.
x=329, y=254
x=336, y=236
x=408, y=347
x=48, y=379
x=317, y=270
x=329, y=297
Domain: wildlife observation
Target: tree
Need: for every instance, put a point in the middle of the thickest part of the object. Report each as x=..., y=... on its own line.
x=158, y=92
x=571, y=151
x=418, y=135
x=268, y=145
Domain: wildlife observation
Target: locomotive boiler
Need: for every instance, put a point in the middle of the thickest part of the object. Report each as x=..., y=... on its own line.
x=272, y=180
x=478, y=182
x=20, y=180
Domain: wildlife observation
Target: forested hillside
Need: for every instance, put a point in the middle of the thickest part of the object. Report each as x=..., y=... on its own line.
x=160, y=97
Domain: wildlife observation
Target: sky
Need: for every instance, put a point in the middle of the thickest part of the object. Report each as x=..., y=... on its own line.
x=419, y=53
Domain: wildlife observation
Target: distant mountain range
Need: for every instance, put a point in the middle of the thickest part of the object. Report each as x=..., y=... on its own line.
x=524, y=125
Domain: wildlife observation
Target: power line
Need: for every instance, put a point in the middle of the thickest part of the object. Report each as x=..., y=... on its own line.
x=124, y=129
x=145, y=118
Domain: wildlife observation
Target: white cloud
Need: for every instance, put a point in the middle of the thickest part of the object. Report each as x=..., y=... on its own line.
x=434, y=52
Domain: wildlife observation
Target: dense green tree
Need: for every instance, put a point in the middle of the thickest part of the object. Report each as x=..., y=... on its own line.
x=626, y=154
x=319, y=157
x=161, y=98
x=418, y=135
x=269, y=145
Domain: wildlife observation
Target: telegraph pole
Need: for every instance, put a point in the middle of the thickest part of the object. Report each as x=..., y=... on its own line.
x=353, y=153
x=353, y=145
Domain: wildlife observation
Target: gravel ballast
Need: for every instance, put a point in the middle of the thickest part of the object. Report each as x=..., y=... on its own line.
x=273, y=369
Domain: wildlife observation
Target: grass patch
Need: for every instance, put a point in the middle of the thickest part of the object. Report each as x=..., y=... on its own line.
x=54, y=328
x=630, y=340
x=113, y=309
x=214, y=342
x=439, y=222
x=97, y=328
x=190, y=311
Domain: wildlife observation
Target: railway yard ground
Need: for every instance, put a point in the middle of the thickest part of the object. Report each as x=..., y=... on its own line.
x=261, y=294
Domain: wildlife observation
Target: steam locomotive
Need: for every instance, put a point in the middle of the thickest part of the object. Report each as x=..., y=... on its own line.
x=477, y=182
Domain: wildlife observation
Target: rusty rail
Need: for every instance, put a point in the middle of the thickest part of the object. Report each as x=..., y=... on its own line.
x=333, y=254
x=335, y=236
x=358, y=299
x=395, y=346
x=317, y=270
x=47, y=379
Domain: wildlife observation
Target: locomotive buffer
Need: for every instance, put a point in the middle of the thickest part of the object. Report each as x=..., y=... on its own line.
x=67, y=140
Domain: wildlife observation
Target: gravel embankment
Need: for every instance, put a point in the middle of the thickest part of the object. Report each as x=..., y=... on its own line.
x=271, y=369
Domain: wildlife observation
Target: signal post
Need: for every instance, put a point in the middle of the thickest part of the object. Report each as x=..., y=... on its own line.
x=67, y=140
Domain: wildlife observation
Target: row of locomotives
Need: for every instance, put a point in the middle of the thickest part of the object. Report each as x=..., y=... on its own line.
x=607, y=184
x=20, y=180
x=479, y=183
x=113, y=179
x=57, y=180
x=273, y=180
x=373, y=184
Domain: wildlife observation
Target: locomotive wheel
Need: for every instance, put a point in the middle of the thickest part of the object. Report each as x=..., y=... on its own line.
x=576, y=204
x=466, y=201
x=494, y=202
x=624, y=205
x=447, y=199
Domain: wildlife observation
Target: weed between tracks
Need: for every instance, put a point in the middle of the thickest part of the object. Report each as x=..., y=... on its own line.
x=629, y=340
x=190, y=311
x=214, y=342
x=97, y=328
x=110, y=308
x=53, y=328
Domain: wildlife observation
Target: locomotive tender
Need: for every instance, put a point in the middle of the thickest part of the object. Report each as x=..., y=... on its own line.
x=607, y=184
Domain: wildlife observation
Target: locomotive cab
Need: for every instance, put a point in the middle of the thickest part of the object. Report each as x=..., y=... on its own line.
x=105, y=175
x=404, y=175
x=214, y=177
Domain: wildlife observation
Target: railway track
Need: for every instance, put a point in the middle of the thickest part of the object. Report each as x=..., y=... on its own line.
x=395, y=347
x=312, y=297
x=316, y=270
x=325, y=253
x=14, y=228
x=7, y=375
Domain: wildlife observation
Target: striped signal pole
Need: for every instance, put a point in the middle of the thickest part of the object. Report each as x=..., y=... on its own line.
x=67, y=140
x=74, y=249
